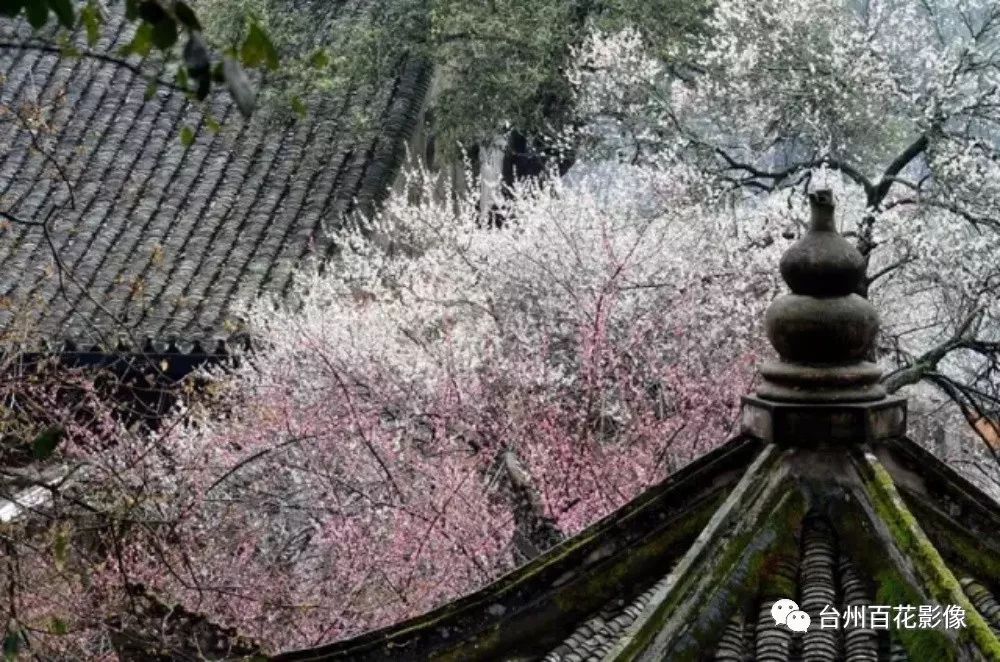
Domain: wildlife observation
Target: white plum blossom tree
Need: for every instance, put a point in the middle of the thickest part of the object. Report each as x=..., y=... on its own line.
x=894, y=103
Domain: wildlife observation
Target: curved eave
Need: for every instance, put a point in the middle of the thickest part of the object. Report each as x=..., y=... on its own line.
x=531, y=609
x=696, y=561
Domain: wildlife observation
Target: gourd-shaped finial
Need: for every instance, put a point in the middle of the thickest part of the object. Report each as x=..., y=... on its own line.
x=823, y=331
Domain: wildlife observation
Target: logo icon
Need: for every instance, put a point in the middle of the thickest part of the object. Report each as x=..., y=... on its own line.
x=786, y=612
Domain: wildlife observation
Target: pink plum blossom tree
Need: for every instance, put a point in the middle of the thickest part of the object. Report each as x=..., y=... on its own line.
x=438, y=403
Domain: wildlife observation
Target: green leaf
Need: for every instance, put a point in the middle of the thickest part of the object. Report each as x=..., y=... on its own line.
x=142, y=42
x=63, y=9
x=11, y=7
x=186, y=16
x=45, y=443
x=11, y=645
x=187, y=136
x=66, y=46
x=151, y=11
x=299, y=106
x=182, y=78
x=150, y=90
x=38, y=13
x=212, y=124
x=91, y=18
x=257, y=49
x=320, y=59
x=60, y=547
x=164, y=33
x=57, y=626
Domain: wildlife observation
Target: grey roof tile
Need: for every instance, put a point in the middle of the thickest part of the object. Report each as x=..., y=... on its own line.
x=172, y=240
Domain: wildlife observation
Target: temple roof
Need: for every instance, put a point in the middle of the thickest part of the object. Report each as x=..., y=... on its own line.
x=171, y=238
x=692, y=569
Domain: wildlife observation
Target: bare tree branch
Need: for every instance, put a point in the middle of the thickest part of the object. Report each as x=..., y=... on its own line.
x=929, y=360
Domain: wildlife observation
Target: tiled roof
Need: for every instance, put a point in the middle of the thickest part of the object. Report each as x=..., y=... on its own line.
x=595, y=636
x=819, y=572
x=691, y=569
x=167, y=238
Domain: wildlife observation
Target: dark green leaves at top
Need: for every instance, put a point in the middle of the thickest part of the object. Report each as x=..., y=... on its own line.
x=151, y=12
x=11, y=7
x=37, y=12
x=257, y=49
x=164, y=28
x=46, y=443
x=63, y=9
x=164, y=33
x=159, y=25
x=187, y=16
x=157, y=28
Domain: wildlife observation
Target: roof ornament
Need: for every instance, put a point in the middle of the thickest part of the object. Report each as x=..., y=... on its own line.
x=823, y=388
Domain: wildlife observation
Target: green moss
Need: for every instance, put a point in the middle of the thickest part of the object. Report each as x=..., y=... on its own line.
x=677, y=594
x=958, y=545
x=750, y=568
x=746, y=561
x=920, y=644
x=938, y=579
x=609, y=581
x=892, y=587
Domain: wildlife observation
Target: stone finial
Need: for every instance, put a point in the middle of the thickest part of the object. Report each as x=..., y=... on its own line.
x=823, y=331
x=824, y=387
x=822, y=264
